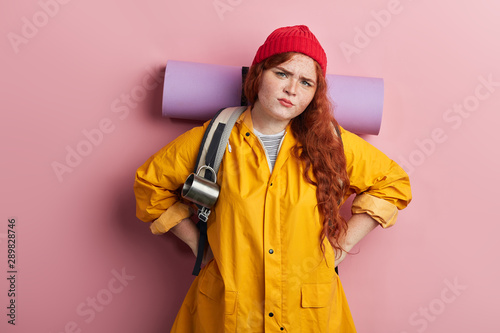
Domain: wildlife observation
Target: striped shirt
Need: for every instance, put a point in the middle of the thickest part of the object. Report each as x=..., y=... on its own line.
x=272, y=144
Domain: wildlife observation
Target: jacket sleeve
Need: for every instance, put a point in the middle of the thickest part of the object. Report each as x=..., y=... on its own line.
x=159, y=180
x=382, y=187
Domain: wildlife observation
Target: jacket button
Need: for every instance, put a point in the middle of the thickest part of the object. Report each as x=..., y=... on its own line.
x=247, y=133
x=282, y=328
x=271, y=251
x=271, y=314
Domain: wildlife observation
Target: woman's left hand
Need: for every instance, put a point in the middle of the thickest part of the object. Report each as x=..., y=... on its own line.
x=338, y=260
x=358, y=226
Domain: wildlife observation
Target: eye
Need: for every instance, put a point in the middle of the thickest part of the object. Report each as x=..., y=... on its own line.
x=306, y=83
x=280, y=74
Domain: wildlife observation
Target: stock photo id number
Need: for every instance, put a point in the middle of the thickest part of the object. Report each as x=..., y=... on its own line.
x=11, y=270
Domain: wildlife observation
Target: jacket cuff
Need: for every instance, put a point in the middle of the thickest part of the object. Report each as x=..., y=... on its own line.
x=170, y=218
x=382, y=211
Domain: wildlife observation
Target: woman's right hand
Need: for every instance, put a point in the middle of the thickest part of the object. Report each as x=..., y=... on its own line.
x=207, y=256
x=187, y=231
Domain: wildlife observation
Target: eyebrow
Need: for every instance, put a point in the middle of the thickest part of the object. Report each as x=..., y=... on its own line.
x=290, y=73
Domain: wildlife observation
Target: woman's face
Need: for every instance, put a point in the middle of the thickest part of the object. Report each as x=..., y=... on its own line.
x=286, y=90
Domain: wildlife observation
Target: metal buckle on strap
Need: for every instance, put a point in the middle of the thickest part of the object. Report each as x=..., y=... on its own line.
x=203, y=214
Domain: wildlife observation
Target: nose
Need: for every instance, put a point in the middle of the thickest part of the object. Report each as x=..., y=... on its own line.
x=291, y=87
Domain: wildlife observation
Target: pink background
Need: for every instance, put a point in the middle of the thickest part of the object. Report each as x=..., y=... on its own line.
x=71, y=70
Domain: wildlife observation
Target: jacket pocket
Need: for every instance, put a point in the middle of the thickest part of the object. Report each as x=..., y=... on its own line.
x=213, y=287
x=316, y=295
x=216, y=307
x=316, y=303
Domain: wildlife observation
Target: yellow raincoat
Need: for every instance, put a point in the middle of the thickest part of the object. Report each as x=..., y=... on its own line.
x=268, y=273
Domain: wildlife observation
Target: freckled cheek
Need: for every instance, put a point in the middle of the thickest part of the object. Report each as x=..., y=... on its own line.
x=264, y=98
x=306, y=102
x=265, y=92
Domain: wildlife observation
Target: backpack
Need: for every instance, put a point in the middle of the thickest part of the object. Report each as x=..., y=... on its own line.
x=212, y=148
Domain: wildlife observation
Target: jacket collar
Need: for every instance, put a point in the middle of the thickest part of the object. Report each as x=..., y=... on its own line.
x=245, y=124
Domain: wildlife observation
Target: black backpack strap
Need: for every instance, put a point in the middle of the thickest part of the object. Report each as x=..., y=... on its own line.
x=244, y=72
x=211, y=151
x=201, y=152
x=202, y=226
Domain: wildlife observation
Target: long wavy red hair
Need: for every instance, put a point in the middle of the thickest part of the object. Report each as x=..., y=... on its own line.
x=319, y=148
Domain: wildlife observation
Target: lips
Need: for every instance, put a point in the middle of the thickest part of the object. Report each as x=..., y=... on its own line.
x=285, y=102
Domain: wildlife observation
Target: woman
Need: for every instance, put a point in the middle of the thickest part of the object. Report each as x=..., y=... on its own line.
x=275, y=233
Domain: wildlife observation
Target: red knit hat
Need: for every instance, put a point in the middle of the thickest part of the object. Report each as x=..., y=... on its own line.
x=292, y=39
